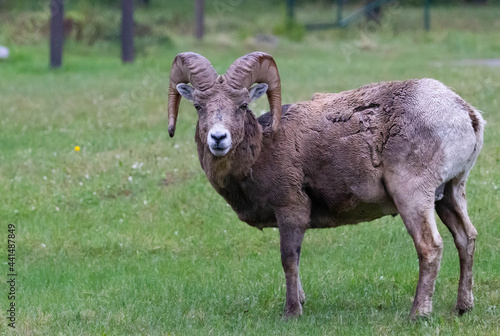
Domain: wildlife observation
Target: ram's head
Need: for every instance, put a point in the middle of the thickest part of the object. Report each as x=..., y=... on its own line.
x=222, y=101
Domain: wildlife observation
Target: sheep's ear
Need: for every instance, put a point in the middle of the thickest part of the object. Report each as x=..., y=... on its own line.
x=186, y=91
x=257, y=91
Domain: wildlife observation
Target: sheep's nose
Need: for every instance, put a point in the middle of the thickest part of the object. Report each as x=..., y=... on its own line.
x=218, y=136
x=219, y=140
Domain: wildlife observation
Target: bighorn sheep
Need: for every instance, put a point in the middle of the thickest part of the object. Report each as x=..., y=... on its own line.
x=343, y=158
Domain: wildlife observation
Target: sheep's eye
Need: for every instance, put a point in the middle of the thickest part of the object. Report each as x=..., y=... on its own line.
x=244, y=106
x=197, y=107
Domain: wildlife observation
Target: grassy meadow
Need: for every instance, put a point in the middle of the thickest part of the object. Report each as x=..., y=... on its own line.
x=127, y=237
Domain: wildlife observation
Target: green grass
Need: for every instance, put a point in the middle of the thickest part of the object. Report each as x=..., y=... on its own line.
x=127, y=237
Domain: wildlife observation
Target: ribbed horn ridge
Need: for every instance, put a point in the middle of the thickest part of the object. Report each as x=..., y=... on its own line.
x=258, y=67
x=191, y=68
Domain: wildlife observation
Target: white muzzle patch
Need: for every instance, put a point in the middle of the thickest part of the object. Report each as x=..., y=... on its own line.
x=219, y=140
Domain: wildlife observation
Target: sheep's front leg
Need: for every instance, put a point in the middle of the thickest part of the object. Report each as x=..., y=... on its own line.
x=292, y=228
x=290, y=242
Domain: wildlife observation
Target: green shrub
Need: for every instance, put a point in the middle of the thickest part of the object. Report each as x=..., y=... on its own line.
x=291, y=29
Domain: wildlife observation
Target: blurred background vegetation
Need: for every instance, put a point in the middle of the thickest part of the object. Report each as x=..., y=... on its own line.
x=90, y=22
x=33, y=4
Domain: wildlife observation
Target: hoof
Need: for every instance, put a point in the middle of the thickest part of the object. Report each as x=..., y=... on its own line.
x=421, y=310
x=463, y=308
x=419, y=315
x=302, y=297
x=464, y=304
x=292, y=313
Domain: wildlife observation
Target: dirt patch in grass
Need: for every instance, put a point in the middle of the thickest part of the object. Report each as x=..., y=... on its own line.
x=172, y=178
x=489, y=62
x=492, y=62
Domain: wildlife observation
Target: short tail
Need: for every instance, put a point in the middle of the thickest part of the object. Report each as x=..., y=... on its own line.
x=477, y=120
x=477, y=123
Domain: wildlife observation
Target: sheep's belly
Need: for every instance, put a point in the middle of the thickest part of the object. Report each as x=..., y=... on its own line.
x=322, y=217
x=257, y=217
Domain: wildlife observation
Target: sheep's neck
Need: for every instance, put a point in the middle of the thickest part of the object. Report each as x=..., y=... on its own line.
x=223, y=173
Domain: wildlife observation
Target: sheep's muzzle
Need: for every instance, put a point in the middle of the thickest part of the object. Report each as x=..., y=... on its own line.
x=219, y=140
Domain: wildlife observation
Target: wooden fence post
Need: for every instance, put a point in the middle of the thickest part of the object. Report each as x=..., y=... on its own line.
x=199, y=13
x=56, y=33
x=127, y=31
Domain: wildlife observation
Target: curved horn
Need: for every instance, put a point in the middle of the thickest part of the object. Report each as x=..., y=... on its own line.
x=191, y=68
x=258, y=67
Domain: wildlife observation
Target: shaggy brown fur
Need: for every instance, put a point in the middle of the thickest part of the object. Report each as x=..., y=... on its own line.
x=383, y=149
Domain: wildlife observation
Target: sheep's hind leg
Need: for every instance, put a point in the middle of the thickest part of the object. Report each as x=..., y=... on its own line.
x=302, y=295
x=291, y=226
x=416, y=207
x=452, y=209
